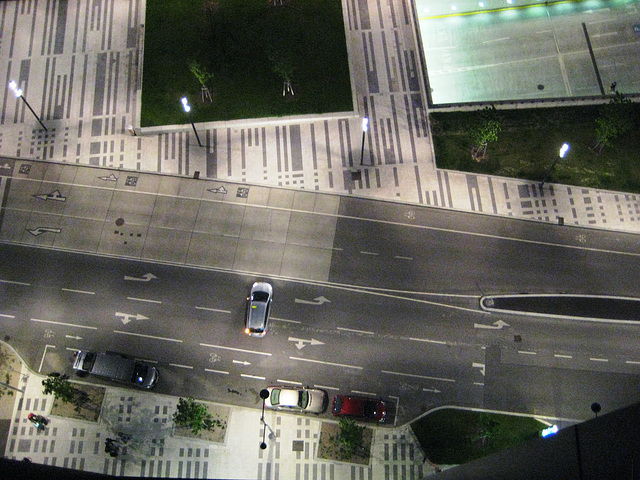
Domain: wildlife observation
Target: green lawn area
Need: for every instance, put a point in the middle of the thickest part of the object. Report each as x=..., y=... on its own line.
x=529, y=142
x=239, y=42
x=453, y=437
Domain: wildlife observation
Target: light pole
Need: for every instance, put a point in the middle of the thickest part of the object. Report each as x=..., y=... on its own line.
x=264, y=394
x=187, y=108
x=561, y=154
x=365, y=127
x=18, y=93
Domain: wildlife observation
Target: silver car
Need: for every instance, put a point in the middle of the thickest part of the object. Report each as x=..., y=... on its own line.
x=297, y=399
x=258, y=306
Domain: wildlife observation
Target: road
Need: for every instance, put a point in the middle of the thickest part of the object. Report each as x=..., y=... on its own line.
x=397, y=316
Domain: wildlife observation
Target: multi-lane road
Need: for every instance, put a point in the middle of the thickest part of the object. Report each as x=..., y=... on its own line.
x=394, y=312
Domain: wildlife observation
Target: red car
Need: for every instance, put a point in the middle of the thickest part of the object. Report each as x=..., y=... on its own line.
x=360, y=408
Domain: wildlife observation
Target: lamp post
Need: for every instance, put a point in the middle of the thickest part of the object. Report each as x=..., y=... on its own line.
x=264, y=394
x=561, y=154
x=365, y=127
x=18, y=93
x=187, y=108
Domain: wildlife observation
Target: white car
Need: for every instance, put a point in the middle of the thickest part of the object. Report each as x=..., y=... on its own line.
x=297, y=399
x=258, y=306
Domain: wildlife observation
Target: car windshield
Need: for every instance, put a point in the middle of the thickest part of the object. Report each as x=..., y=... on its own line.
x=303, y=399
x=260, y=296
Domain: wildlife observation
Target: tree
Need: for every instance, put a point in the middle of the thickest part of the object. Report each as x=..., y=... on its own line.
x=193, y=415
x=484, y=131
x=282, y=65
x=616, y=118
x=350, y=437
x=59, y=386
x=203, y=76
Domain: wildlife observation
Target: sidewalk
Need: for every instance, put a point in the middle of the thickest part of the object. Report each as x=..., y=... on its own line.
x=156, y=450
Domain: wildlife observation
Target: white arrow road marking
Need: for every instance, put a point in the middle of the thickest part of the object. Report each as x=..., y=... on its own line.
x=5, y=166
x=110, y=178
x=221, y=190
x=55, y=196
x=315, y=301
x=301, y=342
x=74, y=337
x=496, y=325
x=127, y=317
x=432, y=390
x=242, y=362
x=480, y=366
x=145, y=278
x=40, y=230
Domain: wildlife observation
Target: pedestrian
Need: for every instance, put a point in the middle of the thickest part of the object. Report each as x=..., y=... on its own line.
x=613, y=86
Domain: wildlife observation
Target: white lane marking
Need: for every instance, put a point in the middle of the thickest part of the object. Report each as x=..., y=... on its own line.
x=145, y=278
x=235, y=349
x=301, y=342
x=181, y=366
x=496, y=40
x=593, y=359
x=285, y=320
x=216, y=371
x=526, y=352
x=148, y=336
x=143, y=300
x=316, y=301
x=288, y=381
x=86, y=292
x=369, y=253
x=632, y=362
x=364, y=393
x=355, y=331
x=147, y=360
x=417, y=376
x=480, y=384
x=242, y=362
x=63, y=323
x=326, y=363
x=559, y=355
x=432, y=390
x=15, y=283
x=495, y=326
x=7, y=316
x=251, y=376
x=327, y=387
x=400, y=257
x=427, y=340
x=219, y=310
x=43, y=355
x=75, y=337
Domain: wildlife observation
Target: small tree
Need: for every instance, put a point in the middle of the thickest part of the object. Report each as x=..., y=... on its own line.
x=350, y=437
x=59, y=386
x=203, y=76
x=616, y=118
x=282, y=65
x=193, y=415
x=484, y=131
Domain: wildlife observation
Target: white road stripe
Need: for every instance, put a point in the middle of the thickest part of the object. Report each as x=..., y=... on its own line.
x=148, y=336
x=181, y=366
x=355, y=331
x=143, y=300
x=417, y=376
x=326, y=387
x=251, y=376
x=440, y=342
x=364, y=393
x=7, y=316
x=369, y=253
x=558, y=355
x=480, y=384
x=288, y=381
x=593, y=359
x=15, y=283
x=63, y=323
x=216, y=371
x=213, y=309
x=526, y=352
x=326, y=363
x=235, y=349
x=86, y=292
x=400, y=257
x=632, y=362
x=285, y=320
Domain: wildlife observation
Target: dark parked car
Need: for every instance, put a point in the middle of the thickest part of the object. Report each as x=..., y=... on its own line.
x=360, y=408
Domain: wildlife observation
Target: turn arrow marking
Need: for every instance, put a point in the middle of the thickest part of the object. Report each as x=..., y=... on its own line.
x=55, y=195
x=145, y=278
x=242, y=362
x=127, y=317
x=496, y=325
x=315, y=301
x=40, y=230
x=301, y=342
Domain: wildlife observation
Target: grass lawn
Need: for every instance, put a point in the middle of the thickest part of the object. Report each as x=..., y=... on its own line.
x=454, y=437
x=240, y=42
x=529, y=142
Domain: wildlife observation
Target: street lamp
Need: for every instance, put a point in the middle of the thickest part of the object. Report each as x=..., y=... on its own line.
x=264, y=394
x=18, y=93
x=563, y=151
x=187, y=108
x=365, y=127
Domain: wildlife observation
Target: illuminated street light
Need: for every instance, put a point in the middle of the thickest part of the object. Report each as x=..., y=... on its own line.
x=563, y=151
x=13, y=86
x=187, y=108
x=365, y=127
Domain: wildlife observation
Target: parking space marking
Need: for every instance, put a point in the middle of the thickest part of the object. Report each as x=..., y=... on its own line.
x=292, y=382
x=181, y=366
x=251, y=376
x=364, y=393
